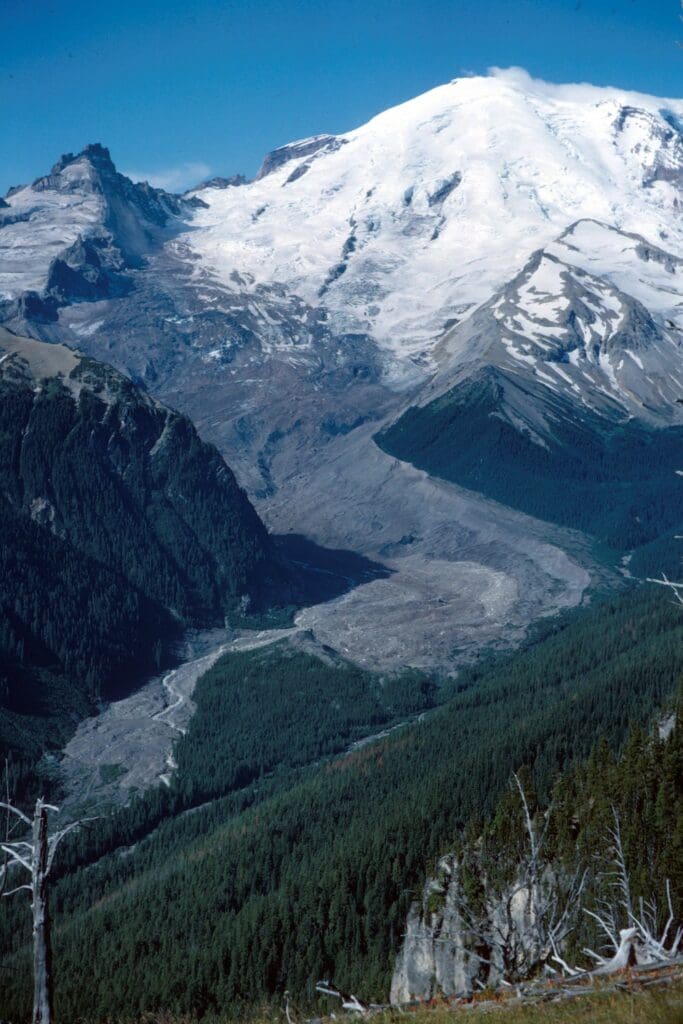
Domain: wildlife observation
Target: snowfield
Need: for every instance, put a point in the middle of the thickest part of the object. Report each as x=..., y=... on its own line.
x=40, y=224
x=409, y=222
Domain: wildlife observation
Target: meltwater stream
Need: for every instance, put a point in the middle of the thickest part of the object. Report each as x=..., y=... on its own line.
x=128, y=747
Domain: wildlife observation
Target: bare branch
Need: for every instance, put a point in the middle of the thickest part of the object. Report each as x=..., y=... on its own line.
x=594, y=956
x=18, y=888
x=675, y=588
x=573, y=972
x=349, y=1002
x=607, y=930
x=8, y=830
x=56, y=839
x=527, y=818
x=10, y=808
x=16, y=858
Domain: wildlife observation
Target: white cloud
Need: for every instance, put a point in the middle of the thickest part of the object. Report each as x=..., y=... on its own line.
x=519, y=78
x=515, y=75
x=173, y=179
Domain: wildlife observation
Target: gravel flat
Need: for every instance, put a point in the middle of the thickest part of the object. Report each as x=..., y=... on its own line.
x=129, y=746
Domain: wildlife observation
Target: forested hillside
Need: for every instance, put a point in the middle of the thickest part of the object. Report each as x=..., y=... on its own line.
x=73, y=633
x=543, y=883
x=120, y=527
x=309, y=873
x=613, y=476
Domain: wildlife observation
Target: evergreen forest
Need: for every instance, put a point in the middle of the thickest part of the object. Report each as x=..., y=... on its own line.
x=611, y=477
x=280, y=856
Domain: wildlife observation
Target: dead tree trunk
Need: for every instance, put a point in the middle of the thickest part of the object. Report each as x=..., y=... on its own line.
x=36, y=858
x=42, y=950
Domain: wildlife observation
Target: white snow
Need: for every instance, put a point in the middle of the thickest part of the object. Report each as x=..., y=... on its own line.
x=533, y=157
x=567, y=169
x=54, y=219
x=603, y=251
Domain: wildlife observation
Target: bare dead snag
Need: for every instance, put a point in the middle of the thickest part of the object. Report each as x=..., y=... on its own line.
x=674, y=588
x=349, y=1002
x=638, y=942
x=42, y=949
x=36, y=857
x=524, y=923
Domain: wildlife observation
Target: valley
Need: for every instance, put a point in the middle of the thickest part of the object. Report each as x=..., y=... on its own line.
x=465, y=573
x=288, y=849
x=295, y=359
x=329, y=500
x=128, y=746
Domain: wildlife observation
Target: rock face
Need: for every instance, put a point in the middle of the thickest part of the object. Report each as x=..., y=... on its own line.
x=433, y=959
x=90, y=269
x=440, y=954
x=274, y=160
x=234, y=181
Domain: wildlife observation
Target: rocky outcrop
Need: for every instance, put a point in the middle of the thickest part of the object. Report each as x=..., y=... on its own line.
x=433, y=958
x=295, y=150
x=234, y=181
x=447, y=952
x=90, y=269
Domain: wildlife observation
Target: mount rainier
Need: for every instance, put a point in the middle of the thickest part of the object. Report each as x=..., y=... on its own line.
x=498, y=261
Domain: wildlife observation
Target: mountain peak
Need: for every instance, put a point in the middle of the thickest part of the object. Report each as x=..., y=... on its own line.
x=89, y=223
x=86, y=171
x=409, y=220
x=94, y=152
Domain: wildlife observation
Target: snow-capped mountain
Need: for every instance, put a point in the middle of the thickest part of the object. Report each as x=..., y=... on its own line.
x=395, y=229
x=493, y=224
x=71, y=235
x=414, y=219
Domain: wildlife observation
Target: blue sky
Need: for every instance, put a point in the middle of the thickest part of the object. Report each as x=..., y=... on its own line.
x=180, y=89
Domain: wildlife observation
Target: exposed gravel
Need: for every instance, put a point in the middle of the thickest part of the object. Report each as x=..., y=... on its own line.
x=129, y=746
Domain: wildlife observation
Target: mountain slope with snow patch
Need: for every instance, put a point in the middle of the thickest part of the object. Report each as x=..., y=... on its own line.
x=410, y=221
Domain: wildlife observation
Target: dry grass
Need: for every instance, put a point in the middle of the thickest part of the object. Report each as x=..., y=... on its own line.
x=659, y=1006
x=662, y=1006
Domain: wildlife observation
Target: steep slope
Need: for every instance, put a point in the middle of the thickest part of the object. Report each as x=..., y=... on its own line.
x=121, y=527
x=592, y=315
x=560, y=395
x=610, y=476
x=128, y=482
